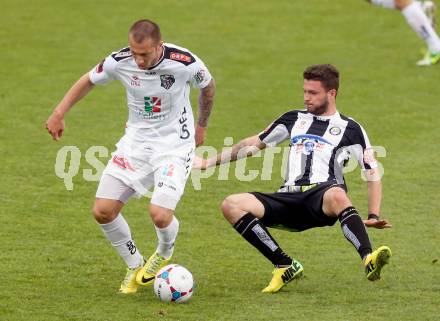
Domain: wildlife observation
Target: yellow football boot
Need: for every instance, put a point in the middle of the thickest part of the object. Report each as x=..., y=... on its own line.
x=282, y=276
x=376, y=261
x=148, y=272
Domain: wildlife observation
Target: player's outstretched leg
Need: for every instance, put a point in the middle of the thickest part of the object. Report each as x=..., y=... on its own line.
x=375, y=261
x=243, y=212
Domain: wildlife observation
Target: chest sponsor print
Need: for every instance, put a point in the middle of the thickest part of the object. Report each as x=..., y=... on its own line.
x=308, y=144
x=152, y=104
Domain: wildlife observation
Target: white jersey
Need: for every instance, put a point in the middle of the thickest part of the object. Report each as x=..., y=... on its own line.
x=160, y=112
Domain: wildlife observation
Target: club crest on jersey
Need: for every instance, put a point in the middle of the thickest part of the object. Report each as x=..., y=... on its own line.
x=308, y=143
x=152, y=104
x=166, y=81
x=335, y=131
x=180, y=57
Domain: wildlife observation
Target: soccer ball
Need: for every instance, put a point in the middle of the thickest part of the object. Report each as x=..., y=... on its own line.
x=174, y=283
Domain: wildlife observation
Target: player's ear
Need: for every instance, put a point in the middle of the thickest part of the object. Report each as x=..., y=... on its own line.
x=333, y=93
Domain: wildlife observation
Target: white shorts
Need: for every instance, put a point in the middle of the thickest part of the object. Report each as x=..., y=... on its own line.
x=166, y=175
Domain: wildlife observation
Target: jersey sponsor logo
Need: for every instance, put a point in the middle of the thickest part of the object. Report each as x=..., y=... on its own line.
x=134, y=81
x=200, y=76
x=123, y=54
x=166, y=81
x=100, y=68
x=335, y=131
x=152, y=104
x=308, y=143
x=180, y=57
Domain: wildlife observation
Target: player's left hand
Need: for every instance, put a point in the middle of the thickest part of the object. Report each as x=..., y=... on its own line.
x=380, y=224
x=200, y=134
x=199, y=163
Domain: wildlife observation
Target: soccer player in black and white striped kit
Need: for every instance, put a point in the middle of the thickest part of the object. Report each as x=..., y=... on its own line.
x=314, y=193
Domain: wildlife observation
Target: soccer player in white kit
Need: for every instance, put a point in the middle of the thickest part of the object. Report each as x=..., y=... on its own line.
x=157, y=149
x=420, y=15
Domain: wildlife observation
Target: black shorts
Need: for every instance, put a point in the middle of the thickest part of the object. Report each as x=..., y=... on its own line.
x=296, y=211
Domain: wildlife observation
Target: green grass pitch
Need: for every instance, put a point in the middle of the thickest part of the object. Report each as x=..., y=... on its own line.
x=55, y=264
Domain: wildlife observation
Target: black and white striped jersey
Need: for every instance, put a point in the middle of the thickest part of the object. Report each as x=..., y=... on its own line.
x=319, y=146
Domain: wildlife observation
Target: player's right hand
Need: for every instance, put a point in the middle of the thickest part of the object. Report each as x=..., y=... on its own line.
x=55, y=125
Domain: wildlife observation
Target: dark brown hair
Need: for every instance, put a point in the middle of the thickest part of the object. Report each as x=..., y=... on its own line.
x=327, y=74
x=145, y=29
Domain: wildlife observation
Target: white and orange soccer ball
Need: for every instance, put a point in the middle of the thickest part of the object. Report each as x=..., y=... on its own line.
x=174, y=283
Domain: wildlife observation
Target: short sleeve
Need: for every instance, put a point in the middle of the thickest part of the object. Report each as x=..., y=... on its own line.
x=279, y=130
x=365, y=154
x=103, y=72
x=200, y=76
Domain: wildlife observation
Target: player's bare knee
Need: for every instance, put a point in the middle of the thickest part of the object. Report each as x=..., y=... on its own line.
x=160, y=216
x=230, y=207
x=335, y=200
x=340, y=201
x=102, y=214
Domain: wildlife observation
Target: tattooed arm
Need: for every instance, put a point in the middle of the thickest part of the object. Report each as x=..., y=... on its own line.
x=206, y=101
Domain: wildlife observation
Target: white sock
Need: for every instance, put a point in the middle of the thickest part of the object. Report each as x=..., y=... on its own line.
x=418, y=21
x=384, y=3
x=118, y=233
x=166, y=237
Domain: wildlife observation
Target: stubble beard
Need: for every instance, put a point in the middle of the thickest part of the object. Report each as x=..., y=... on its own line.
x=320, y=109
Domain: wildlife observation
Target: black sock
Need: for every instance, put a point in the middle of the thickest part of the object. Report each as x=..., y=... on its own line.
x=256, y=234
x=354, y=230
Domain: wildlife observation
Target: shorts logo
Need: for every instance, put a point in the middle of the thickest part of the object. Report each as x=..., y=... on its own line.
x=168, y=170
x=335, y=131
x=180, y=57
x=166, y=81
x=122, y=162
x=152, y=104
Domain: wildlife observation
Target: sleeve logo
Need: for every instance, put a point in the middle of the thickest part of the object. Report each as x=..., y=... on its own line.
x=200, y=76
